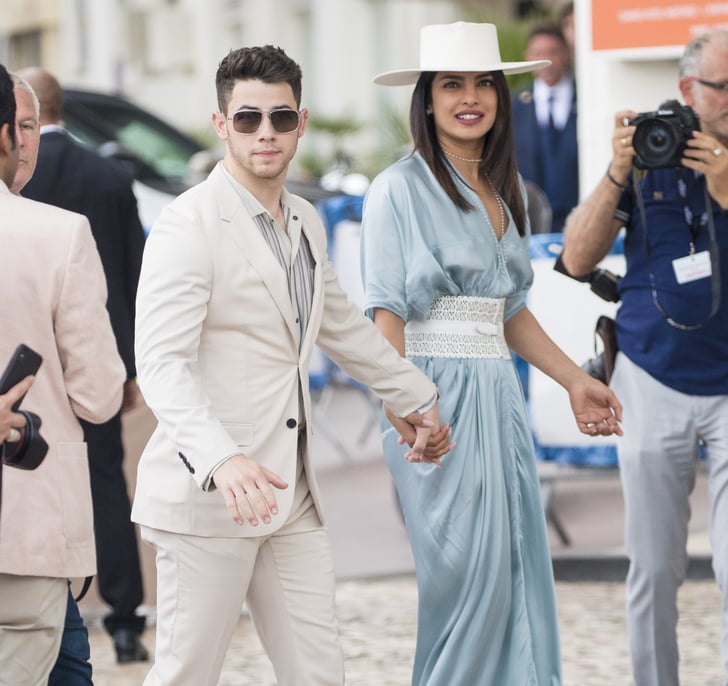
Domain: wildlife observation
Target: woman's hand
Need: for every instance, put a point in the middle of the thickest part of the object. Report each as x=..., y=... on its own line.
x=596, y=409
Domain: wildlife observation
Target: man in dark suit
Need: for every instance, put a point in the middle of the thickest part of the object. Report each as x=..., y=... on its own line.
x=544, y=124
x=75, y=178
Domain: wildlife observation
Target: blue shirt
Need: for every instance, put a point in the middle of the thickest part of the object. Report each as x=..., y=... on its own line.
x=693, y=362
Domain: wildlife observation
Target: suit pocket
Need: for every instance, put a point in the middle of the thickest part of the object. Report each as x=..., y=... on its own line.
x=242, y=434
x=75, y=492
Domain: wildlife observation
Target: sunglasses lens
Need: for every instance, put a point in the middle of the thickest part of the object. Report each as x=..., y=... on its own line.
x=284, y=121
x=247, y=121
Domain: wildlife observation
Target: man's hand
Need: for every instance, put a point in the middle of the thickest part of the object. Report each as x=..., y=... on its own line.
x=707, y=155
x=422, y=432
x=623, y=152
x=248, y=489
x=11, y=421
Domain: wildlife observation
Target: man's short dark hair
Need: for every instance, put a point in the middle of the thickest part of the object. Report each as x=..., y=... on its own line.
x=567, y=9
x=552, y=30
x=7, y=102
x=267, y=64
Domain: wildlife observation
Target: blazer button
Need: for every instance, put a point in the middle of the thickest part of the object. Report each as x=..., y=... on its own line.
x=291, y=423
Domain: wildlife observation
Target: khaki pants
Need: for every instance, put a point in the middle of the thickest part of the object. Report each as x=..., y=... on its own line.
x=287, y=580
x=32, y=613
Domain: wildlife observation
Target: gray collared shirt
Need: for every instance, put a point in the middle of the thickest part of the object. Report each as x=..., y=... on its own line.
x=290, y=247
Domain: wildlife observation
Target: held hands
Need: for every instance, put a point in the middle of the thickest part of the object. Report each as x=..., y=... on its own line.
x=247, y=489
x=428, y=440
x=596, y=409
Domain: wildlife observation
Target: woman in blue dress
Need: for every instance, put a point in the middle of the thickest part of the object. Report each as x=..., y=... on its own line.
x=446, y=270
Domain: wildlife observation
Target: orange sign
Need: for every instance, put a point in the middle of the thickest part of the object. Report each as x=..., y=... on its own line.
x=627, y=24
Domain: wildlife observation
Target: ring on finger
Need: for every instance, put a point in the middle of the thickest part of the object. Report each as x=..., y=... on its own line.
x=718, y=152
x=13, y=436
x=623, y=141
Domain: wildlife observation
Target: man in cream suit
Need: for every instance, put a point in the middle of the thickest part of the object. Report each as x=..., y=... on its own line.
x=54, y=295
x=235, y=290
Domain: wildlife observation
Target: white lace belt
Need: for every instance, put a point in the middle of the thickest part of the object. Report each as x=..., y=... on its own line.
x=459, y=326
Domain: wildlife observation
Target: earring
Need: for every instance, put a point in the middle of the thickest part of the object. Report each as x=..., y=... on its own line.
x=428, y=110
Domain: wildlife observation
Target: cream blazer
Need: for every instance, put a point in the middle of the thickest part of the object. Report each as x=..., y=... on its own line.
x=218, y=358
x=53, y=298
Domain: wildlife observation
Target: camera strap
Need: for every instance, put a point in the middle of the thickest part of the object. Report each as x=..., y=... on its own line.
x=706, y=219
x=693, y=225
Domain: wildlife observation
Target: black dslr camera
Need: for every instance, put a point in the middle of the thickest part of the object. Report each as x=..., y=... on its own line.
x=31, y=450
x=661, y=136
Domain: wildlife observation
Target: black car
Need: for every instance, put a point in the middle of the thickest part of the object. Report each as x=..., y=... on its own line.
x=158, y=154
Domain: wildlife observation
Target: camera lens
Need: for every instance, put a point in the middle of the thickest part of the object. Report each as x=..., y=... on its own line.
x=656, y=142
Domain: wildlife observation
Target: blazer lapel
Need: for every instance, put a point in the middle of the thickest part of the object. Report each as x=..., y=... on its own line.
x=244, y=233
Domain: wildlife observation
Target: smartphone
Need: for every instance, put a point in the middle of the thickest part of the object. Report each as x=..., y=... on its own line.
x=25, y=361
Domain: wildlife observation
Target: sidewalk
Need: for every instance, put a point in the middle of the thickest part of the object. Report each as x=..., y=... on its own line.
x=377, y=595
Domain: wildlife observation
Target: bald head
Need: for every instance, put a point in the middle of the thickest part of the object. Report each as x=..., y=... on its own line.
x=49, y=92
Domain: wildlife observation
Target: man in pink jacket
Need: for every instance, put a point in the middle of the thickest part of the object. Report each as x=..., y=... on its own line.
x=54, y=298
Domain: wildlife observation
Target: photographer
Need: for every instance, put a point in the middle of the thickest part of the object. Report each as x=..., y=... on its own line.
x=671, y=373
x=54, y=298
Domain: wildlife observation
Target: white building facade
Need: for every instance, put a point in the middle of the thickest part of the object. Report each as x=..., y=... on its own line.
x=163, y=54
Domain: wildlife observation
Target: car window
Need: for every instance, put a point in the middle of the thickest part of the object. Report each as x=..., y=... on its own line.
x=166, y=155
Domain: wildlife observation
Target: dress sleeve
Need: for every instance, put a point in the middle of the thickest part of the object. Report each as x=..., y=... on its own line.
x=382, y=253
x=521, y=266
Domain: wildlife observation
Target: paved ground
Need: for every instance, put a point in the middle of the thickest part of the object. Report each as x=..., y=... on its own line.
x=377, y=620
x=377, y=595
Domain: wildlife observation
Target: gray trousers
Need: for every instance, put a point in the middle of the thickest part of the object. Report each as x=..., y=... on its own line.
x=658, y=461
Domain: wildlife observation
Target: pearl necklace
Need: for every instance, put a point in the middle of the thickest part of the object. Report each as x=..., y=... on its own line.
x=500, y=207
x=462, y=159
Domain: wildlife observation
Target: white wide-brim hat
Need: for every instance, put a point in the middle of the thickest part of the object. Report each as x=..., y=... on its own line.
x=461, y=46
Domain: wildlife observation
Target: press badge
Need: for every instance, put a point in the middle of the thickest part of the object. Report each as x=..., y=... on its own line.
x=693, y=267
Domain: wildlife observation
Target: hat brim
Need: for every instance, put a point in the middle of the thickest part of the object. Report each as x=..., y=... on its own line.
x=406, y=77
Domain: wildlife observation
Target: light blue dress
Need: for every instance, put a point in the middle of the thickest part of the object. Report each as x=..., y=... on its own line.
x=487, y=614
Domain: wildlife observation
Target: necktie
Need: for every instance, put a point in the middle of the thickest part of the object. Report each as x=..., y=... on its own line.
x=551, y=124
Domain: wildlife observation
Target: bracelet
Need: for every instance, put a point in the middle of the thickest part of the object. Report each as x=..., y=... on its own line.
x=621, y=186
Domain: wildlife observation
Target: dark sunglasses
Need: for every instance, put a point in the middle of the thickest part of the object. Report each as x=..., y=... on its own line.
x=249, y=121
x=721, y=86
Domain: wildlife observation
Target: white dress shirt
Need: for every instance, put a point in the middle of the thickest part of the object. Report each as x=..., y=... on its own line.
x=561, y=95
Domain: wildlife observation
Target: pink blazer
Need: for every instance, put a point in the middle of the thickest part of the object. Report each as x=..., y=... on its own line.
x=52, y=298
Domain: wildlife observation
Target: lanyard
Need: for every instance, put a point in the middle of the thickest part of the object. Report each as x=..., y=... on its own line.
x=706, y=219
x=690, y=219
